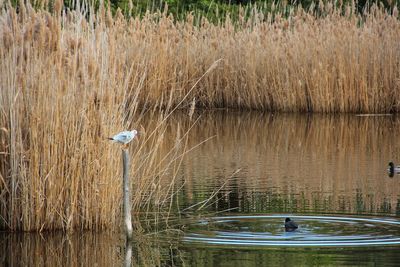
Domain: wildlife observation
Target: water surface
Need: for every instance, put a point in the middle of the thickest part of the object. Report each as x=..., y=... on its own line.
x=327, y=172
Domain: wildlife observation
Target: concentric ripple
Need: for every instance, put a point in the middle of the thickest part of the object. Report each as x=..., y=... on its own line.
x=314, y=231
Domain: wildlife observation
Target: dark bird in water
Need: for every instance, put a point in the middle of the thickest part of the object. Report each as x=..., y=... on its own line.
x=392, y=169
x=290, y=225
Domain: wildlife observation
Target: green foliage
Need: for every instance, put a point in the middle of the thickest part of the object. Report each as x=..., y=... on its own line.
x=222, y=7
x=214, y=10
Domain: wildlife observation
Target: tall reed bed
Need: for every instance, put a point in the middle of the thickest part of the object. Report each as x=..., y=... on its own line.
x=325, y=59
x=68, y=79
x=67, y=83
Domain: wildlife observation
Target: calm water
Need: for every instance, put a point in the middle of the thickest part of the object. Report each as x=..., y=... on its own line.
x=328, y=173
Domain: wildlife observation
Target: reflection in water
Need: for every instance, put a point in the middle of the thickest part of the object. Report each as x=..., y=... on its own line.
x=85, y=249
x=292, y=257
x=91, y=249
x=58, y=249
x=294, y=163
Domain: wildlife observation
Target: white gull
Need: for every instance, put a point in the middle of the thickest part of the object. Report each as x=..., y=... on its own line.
x=124, y=137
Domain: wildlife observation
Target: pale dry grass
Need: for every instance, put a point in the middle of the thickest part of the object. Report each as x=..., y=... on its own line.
x=322, y=60
x=69, y=79
x=67, y=84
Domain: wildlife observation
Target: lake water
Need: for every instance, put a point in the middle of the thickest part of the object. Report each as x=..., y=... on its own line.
x=326, y=172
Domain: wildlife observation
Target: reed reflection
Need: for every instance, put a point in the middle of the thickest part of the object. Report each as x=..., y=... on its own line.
x=293, y=163
x=87, y=249
x=58, y=249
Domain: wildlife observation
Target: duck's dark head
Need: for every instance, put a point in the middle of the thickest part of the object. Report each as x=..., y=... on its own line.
x=287, y=220
x=391, y=167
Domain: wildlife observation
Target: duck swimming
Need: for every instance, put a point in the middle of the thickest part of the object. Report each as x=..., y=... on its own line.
x=290, y=225
x=392, y=169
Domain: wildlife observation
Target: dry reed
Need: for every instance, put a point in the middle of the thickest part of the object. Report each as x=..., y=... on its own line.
x=321, y=60
x=69, y=79
x=66, y=84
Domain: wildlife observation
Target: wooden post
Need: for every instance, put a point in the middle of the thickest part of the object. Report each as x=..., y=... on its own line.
x=128, y=254
x=127, y=196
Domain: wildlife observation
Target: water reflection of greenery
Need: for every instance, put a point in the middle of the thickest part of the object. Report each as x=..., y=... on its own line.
x=226, y=256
